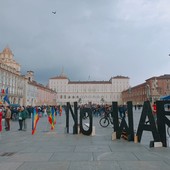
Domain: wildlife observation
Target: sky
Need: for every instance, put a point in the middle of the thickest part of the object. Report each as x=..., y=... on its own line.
x=88, y=39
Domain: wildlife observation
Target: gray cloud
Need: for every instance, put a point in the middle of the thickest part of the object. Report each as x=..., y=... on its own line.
x=97, y=38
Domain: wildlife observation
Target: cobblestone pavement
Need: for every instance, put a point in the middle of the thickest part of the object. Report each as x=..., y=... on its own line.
x=56, y=150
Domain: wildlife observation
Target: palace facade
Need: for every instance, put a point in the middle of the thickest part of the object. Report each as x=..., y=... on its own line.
x=88, y=92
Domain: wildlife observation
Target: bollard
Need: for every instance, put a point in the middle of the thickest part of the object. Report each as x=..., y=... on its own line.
x=135, y=138
x=93, y=131
x=78, y=127
x=113, y=135
x=168, y=141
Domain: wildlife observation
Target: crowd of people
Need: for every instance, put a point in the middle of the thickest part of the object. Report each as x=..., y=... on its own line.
x=100, y=110
x=21, y=114
x=7, y=113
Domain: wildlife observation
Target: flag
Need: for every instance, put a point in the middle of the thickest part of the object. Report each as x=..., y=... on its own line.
x=3, y=91
x=61, y=110
x=6, y=99
x=52, y=118
x=35, y=118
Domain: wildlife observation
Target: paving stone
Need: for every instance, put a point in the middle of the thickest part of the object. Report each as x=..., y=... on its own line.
x=92, y=148
x=148, y=156
x=126, y=146
x=51, y=150
x=10, y=165
x=72, y=157
x=21, y=157
x=57, y=149
x=44, y=166
x=143, y=165
x=119, y=156
x=95, y=165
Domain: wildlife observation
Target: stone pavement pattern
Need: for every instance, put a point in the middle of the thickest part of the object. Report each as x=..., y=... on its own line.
x=56, y=150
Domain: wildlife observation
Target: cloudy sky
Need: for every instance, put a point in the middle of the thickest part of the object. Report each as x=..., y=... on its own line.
x=96, y=38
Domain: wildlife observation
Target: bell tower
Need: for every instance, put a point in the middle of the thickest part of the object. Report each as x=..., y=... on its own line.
x=30, y=76
x=7, y=58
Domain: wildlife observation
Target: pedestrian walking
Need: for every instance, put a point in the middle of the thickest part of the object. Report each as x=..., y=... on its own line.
x=8, y=118
x=20, y=119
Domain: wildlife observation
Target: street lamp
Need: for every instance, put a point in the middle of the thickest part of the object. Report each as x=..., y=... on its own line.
x=80, y=101
x=148, y=92
x=102, y=100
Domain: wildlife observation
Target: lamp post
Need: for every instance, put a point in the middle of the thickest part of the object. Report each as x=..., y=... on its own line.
x=80, y=101
x=148, y=92
x=102, y=100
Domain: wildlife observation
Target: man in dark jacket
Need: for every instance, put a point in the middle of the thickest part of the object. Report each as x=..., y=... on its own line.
x=24, y=117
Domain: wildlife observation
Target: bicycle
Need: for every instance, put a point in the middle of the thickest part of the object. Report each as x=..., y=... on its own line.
x=106, y=120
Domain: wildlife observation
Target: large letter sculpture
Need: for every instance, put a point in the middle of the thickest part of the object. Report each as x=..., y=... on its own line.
x=162, y=120
x=123, y=125
x=74, y=114
x=151, y=126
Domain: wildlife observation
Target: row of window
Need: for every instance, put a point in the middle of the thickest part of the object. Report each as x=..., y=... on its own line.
x=88, y=97
x=9, y=79
x=64, y=89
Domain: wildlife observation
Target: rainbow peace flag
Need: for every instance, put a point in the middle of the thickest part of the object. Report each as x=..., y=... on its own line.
x=52, y=118
x=35, y=118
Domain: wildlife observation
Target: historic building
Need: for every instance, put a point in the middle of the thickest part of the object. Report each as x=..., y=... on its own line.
x=7, y=57
x=84, y=92
x=152, y=89
x=22, y=90
x=10, y=78
x=31, y=91
x=36, y=93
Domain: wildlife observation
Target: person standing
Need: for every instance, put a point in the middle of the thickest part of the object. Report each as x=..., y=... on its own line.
x=20, y=120
x=24, y=117
x=8, y=117
x=154, y=111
